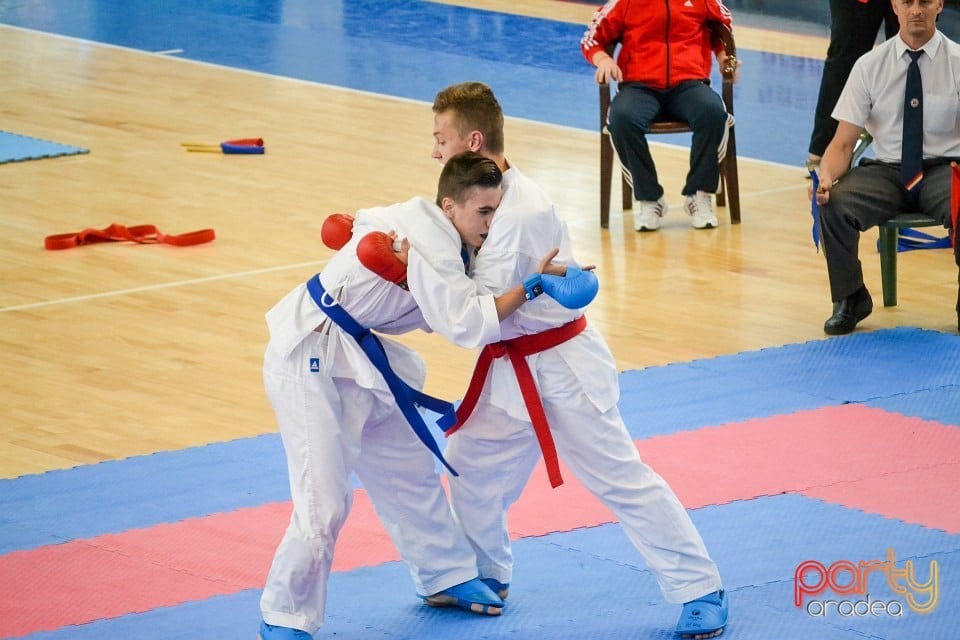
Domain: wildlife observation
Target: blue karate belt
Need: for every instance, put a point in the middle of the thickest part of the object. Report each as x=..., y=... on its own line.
x=909, y=239
x=408, y=398
x=815, y=210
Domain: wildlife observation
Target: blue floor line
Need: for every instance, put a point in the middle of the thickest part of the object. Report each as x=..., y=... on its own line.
x=534, y=65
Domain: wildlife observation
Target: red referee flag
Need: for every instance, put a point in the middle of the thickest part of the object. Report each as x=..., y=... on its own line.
x=954, y=199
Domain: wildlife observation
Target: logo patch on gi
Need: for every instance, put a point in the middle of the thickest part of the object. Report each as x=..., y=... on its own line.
x=314, y=365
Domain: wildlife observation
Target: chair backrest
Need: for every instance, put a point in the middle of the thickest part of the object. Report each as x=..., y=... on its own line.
x=860, y=148
x=721, y=32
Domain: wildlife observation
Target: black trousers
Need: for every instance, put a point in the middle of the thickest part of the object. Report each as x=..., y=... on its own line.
x=853, y=32
x=865, y=197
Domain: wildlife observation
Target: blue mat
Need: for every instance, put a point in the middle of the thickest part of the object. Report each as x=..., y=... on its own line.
x=588, y=581
x=908, y=370
x=17, y=148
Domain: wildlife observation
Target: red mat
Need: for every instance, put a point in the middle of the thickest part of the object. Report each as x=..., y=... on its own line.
x=914, y=496
x=869, y=459
x=169, y=564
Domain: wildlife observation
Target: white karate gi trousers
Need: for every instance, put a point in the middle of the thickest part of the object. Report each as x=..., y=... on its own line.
x=331, y=426
x=495, y=454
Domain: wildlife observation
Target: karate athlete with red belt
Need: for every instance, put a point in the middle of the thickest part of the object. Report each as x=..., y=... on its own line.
x=495, y=448
x=344, y=397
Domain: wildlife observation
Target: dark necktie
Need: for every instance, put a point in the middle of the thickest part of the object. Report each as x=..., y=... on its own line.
x=911, y=161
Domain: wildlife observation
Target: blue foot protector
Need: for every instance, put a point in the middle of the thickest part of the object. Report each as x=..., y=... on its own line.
x=502, y=590
x=473, y=596
x=270, y=632
x=704, y=617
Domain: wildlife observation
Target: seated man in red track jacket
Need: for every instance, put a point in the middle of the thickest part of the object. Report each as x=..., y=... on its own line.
x=663, y=71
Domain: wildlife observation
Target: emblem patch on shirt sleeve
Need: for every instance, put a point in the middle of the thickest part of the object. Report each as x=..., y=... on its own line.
x=314, y=365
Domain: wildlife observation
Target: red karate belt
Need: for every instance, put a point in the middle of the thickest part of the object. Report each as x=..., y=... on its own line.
x=141, y=234
x=517, y=349
x=955, y=206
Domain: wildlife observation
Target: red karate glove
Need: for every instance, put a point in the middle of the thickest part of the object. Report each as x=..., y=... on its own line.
x=375, y=251
x=337, y=230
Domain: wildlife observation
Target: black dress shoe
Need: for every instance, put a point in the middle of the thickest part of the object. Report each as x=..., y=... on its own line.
x=849, y=312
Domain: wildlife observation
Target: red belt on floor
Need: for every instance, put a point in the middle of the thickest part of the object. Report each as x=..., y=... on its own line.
x=517, y=349
x=141, y=234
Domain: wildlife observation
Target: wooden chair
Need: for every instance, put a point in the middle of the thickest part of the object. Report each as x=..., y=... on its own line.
x=890, y=233
x=729, y=181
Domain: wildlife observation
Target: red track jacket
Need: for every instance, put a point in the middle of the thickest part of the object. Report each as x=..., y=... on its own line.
x=664, y=42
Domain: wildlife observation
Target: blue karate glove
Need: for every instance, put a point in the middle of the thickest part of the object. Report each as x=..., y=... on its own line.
x=575, y=290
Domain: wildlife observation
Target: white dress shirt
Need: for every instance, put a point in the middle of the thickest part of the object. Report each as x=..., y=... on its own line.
x=873, y=97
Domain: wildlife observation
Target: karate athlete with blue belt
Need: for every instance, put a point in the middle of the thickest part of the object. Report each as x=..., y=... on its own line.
x=343, y=395
x=570, y=403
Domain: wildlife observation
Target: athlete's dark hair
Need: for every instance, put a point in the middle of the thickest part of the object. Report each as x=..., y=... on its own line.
x=465, y=171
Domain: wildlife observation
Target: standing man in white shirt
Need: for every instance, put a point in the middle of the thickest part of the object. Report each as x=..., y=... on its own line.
x=571, y=387
x=904, y=175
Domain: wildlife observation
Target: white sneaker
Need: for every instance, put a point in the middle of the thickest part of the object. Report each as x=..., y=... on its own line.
x=700, y=208
x=646, y=217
